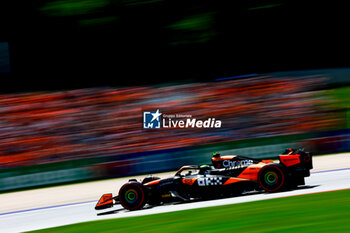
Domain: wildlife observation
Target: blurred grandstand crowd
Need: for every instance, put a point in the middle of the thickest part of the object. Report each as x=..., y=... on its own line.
x=55, y=126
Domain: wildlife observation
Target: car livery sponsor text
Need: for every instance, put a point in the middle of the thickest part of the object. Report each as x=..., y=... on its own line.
x=207, y=181
x=237, y=163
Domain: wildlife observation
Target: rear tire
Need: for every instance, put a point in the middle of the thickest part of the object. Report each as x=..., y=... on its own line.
x=272, y=178
x=132, y=196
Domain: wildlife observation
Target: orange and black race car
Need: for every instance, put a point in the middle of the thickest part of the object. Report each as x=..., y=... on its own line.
x=227, y=176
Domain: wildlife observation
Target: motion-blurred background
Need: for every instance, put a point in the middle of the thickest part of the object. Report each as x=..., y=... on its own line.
x=77, y=74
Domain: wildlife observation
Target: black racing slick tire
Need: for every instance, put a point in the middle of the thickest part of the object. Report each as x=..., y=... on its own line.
x=272, y=178
x=132, y=196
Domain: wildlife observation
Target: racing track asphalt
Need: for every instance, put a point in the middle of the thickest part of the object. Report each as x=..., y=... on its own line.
x=33, y=219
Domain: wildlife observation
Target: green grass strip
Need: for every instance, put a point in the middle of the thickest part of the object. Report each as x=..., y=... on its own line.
x=320, y=212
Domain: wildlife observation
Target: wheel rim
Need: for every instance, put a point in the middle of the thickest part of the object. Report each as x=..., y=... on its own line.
x=271, y=178
x=131, y=196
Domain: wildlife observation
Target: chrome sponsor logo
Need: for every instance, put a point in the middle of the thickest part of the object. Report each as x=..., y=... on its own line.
x=237, y=163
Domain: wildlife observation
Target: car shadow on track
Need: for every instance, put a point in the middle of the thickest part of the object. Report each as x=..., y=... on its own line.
x=123, y=210
x=109, y=212
x=296, y=188
x=303, y=187
x=306, y=187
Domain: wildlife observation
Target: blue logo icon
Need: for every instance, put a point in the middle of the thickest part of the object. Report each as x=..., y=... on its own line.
x=151, y=120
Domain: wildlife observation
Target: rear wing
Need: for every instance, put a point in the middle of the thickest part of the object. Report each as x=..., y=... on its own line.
x=292, y=157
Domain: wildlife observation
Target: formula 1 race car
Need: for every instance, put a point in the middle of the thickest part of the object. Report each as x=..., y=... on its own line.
x=227, y=176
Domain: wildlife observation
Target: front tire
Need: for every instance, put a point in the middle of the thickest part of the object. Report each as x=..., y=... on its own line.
x=132, y=196
x=272, y=178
